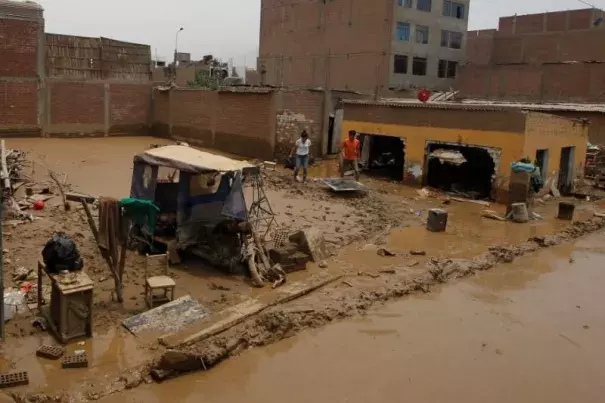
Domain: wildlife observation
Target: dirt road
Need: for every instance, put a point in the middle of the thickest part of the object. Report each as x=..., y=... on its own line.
x=527, y=332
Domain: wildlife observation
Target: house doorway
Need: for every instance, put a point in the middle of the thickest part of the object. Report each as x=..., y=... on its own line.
x=465, y=170
x=566, y=170
x=542, y=161
x=382, y=156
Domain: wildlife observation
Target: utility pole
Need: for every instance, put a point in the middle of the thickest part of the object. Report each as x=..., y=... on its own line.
x=176, y=49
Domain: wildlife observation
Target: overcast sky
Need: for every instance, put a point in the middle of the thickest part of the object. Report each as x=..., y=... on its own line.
x=224, y=28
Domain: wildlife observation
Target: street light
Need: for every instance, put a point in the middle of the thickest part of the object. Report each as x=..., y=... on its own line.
x=176, y=46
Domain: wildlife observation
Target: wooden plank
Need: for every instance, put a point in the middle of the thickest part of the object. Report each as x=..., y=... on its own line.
x=78, y=197
x=479, y=202
x=232, y=316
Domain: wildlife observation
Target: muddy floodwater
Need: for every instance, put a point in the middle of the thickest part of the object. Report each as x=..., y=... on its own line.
x=530, y=331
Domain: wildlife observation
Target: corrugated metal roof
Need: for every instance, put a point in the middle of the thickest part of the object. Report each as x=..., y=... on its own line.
x=482, y=105
x=562, y=107
x=430, y=105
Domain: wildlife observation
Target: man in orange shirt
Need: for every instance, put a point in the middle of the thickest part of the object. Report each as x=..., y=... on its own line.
x=350, y=155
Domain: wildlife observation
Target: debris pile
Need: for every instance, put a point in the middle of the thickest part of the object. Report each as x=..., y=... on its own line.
x=12, y=163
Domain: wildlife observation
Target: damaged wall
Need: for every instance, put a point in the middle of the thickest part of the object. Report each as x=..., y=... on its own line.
x=249, y=121
x=298, y=111
x=544, y=131
x=498, y=129
x=514, y=134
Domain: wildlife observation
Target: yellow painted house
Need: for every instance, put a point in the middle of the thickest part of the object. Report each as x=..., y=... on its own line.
x=464, y=147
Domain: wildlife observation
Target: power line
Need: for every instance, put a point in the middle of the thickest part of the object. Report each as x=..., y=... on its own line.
x=591, y=5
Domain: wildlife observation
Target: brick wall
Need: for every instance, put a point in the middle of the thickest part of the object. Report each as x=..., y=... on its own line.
x=559, y=82
x=298, y=111
x=77, y=103
x=18, y=44
x=20, y=25
x=96, y=108
x=245, y=124
x=540, y=38
x=18, y=106
x=238, y=122
x=258, y=123
x=192, y=115
x=33, y=104
x=129, y=106
x=479, y=46
x=351, y=43
x=548, y=22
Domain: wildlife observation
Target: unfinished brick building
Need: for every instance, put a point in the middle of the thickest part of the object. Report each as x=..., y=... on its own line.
x=551, y=57
x=369, y=46
x=68, y=85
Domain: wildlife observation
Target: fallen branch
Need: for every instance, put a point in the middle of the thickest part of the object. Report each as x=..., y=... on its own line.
x=54, y=178
x=240, y=313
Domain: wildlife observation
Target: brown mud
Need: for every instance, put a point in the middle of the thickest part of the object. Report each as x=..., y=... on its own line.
x=529, y=331
x=388, y=217
x=352, y=296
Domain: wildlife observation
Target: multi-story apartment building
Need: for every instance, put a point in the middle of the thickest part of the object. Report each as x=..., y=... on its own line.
x=363, y=45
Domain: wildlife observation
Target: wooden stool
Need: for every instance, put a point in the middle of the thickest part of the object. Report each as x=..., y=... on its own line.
x=163, y=283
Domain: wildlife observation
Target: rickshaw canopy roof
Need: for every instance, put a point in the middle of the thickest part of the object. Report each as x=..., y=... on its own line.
x=189, y=159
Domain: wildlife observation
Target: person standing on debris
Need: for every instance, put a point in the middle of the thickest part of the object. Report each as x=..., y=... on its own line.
x=302, y=149
x=350, y=155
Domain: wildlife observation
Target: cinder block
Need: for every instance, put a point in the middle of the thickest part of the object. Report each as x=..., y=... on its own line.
x=12, y=379
x=75, y=361
x=50, y=352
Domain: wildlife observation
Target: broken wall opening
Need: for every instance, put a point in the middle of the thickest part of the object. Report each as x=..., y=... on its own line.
x=465, y=170
x=382, y=156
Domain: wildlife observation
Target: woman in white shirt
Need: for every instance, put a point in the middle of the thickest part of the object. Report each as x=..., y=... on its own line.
x=302, y=148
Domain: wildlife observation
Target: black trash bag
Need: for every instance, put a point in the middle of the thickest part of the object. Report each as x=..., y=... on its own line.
x=61, y=253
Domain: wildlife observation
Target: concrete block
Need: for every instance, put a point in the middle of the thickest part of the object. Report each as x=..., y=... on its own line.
x=311, y=241
x=437, y=220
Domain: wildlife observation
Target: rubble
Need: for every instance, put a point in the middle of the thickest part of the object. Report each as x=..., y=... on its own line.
x=311, y=241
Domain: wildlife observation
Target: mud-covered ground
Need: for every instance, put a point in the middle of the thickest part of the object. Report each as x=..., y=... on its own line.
x=297, y=205
x=358, y=231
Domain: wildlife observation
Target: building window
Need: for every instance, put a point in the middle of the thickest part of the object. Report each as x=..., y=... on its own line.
x=400, y=64
x=447, y=69
x=402, y=31
x=419, y=66
x=422, y=34
x=404, y=3
x=451, y=39
x=453, y=9
x=424, y=5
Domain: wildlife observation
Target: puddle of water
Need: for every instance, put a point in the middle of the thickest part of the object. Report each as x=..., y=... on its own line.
x=107, y=354
x=538, y=339
x=467, y=235
x=97, y=166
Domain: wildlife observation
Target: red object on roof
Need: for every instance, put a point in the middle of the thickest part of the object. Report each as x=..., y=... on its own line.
x=424, y=95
